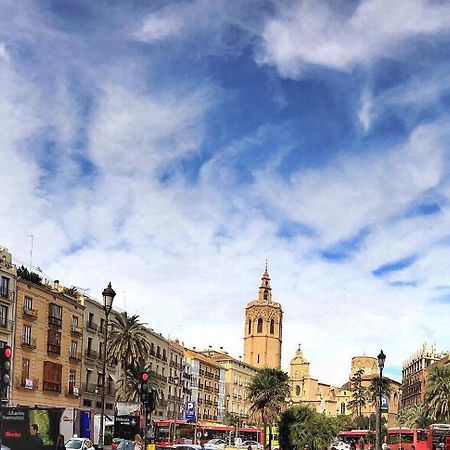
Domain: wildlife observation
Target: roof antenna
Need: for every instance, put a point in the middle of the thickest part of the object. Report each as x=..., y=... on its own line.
x=266, y=264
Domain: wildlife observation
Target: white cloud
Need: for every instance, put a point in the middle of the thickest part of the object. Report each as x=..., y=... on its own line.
x=311, y=32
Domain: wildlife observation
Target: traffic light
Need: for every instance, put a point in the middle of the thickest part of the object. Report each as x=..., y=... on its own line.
x=151, y=400
x=5, y=369
x=144, y=387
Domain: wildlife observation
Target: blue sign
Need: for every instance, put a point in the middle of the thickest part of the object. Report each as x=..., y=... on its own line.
x=189, y=412
x=384, y=403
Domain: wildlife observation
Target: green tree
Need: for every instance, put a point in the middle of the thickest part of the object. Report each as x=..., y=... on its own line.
x=437, y=393
x=24, y=273
x=301, y=425
x=267, y=392
x=359, y=393
x=127, y=341
x=379, y=386
x=416, y=416
x=130, y=384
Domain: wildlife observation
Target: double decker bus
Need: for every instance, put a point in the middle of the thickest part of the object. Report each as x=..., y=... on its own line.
x=358, y=437
x=406, y=439
x=438, y=437
x=171, y=431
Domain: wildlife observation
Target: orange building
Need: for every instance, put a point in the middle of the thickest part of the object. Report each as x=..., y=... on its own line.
x=47, y=348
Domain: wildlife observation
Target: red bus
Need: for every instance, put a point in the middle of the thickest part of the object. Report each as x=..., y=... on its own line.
x=358, y=436
x=439, y=437
x=171, y=431
x=406, y=439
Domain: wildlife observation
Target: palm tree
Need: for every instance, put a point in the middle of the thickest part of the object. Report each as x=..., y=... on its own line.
x=358, y=393
x=416, y=416
x=130, y=384
x=379, y=386
x=437, y=393
x=268, y=391
x=127, y=342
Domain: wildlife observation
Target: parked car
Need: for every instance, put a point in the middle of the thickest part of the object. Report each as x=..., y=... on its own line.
x=126, y=445
x=115, y=443
x=340, y=445
x=215, y=444
x=255, y=445
x=187, y=447
x=79, y=443
x=4, y=447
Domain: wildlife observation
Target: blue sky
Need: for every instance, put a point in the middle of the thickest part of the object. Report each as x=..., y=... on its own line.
x=171, y=147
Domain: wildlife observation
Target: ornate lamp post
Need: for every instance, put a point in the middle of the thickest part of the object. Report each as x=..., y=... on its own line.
x=227, y=398
x=108, y=297
x=381, y=360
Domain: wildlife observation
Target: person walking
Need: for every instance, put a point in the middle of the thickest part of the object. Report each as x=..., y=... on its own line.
x=60, y=443
x=36, y=442
x=137, y=442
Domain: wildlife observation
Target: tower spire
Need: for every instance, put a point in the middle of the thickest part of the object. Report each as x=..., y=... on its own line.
x=265, y=291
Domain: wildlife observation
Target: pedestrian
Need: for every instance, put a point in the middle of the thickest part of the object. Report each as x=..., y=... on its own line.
x=352, y=445
x=60, y=443
x=361, y=443
x=249, y=447
x=137, y=442
x=36, y=442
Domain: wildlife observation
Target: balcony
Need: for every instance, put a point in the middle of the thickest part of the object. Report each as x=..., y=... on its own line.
x=27, y=343
x=55, y=321
x=75, y=330
x=29, y=313
x=54, y=349
x=51, y=386
x=208, y=388
x=6, y=324
x=27, y=383
x=74, y=357
x=96, y=389
x=200, y=386
x=6, y=294
x=89, y=353
x=72, y=391
x=200, y=401
x=91, y=326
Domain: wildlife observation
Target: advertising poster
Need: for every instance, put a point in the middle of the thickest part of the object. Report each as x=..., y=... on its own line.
x=30, y=428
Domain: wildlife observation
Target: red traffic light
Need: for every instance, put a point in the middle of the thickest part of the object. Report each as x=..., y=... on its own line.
x=7, y=352
x=144, y=377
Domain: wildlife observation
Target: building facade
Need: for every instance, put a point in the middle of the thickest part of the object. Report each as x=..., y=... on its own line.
x=93, y=350
x=48, y=346
x=8, y=276
x=263, y=328
x=207, y=386
x=414, y=375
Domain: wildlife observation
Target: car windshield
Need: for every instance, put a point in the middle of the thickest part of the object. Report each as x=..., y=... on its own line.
x=73, y=444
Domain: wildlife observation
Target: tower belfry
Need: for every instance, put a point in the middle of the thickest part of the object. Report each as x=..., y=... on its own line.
x=263, y=328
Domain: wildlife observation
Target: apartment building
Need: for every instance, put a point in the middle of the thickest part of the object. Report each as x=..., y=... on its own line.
x=238, y=376
x=7, y=303
x=414, y=375
x=93, y=352
x=207, y=386
x=179, y=381
x=47, y=348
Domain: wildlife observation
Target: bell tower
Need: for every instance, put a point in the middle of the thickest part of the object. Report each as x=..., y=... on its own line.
x=263, y=328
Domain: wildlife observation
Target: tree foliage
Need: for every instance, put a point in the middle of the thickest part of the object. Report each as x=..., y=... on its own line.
x=130, y=384
x=379, y=386
x=437, y=393
x=24, y=273
x=302, y=425
x=127, y=342
x=416, y=416
x=359, y=394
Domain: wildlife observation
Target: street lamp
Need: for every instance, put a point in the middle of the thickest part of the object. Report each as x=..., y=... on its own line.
x=227, y=398
x=381, y=360
x=108, y=297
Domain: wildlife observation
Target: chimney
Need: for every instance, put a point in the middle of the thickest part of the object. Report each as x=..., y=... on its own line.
x=56, y=285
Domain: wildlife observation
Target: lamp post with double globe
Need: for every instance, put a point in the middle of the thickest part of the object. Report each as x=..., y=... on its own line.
x=108, y=297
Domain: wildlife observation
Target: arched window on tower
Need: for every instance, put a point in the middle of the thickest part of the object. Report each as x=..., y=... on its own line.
x=260, y=323
x=272, y=327
x=265, y=294
x=297, y=390
x=249, y=326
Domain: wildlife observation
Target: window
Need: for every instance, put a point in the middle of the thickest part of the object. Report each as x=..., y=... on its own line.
x=3, y=316
x=54, y=342
x=55, y=315
x=258, y=359
x=25, y=369
x=4, y=287
x=260, y=325
x=89, y=345
x=102, y=325
x=158, y=351
x=272, y=326
x=249, y=326
x=27, y=303
x=297, y=390
x=100, y=349
x=26, y=335
x=152, y=349
x=52, y=377
x=164, y=354
x=72, y=381
x=74, y=349
x=342, y=408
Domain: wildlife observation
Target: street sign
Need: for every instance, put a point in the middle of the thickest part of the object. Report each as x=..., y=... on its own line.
x=189, y=412
x=384, y=403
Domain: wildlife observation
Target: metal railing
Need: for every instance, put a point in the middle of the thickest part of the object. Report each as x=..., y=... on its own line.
x=75, y=329
x=74, y=356
x=30, y=313
x=54, y=348
x=6, y=294
x=89, y=353
x=27, y=383
x=91, y=326
x=51, y=386
x=28, y=342
x=6, y=324
x=55, y=321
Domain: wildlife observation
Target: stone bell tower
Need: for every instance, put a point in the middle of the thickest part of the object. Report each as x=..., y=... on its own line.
x=263, y=328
